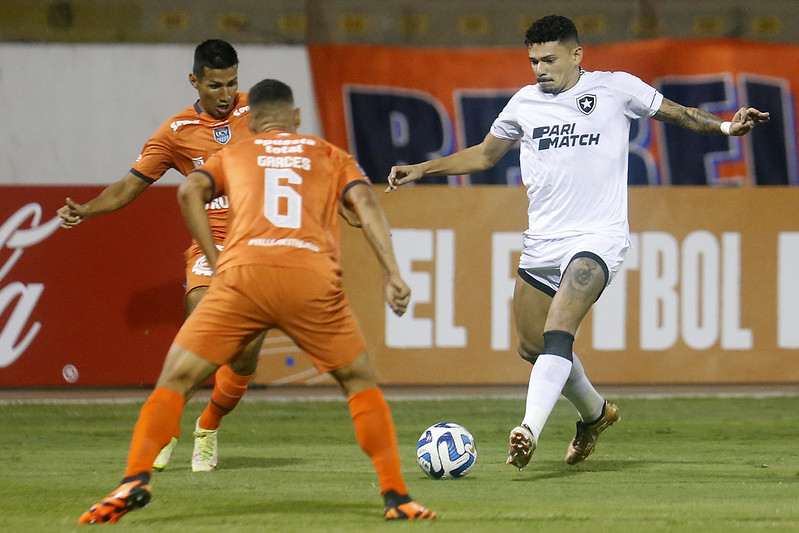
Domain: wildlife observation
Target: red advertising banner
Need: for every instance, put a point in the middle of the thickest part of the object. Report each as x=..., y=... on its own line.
x=389, y=105
x=98, y=304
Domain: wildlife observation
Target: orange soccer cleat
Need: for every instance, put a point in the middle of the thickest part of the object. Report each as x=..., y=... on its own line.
x=133, y=493
x=402, y=507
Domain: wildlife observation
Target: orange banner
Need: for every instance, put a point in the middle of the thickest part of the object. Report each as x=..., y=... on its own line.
x=707, y=294
x=389, y=105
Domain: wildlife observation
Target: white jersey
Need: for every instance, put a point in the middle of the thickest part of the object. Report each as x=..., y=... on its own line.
x=574, y=149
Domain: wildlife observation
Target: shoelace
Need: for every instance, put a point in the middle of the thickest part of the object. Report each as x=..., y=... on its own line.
x=206, y=451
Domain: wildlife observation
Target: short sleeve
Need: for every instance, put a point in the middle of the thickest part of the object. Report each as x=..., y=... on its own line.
x=641, y=99
x=156, y=157
x=215, y=170
x=350, y=174
x=506, y=125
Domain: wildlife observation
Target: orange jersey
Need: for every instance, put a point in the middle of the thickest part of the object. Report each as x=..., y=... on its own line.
x=186, y=141
x=284, y=190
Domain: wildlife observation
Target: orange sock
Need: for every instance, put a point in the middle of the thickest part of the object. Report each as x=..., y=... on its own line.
x=375, y=432
x=159, y=421
x=229, y=387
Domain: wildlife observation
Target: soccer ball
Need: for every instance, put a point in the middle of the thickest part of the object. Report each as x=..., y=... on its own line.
x=446, y=450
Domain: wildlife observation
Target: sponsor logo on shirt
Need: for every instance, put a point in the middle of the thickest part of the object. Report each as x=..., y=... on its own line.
x=285, y=142
x=176, y=125
x=223, y=202
x=294, y=243
x=201, y=266
x=241, y=110
x=222, y=135
x=562, y=135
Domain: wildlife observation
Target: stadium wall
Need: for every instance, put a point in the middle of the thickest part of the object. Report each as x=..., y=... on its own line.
x=706, y=296
x=82, y=112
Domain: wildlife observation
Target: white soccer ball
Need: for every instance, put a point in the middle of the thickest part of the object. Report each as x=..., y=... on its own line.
x=446, y=450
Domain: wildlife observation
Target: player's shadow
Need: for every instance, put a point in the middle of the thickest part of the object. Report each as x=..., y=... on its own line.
x=234, y=462
x=557, y=470
x=223, y=510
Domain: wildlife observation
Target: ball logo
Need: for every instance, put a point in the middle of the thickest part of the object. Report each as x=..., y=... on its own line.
x=586, y=103
x=446, y=450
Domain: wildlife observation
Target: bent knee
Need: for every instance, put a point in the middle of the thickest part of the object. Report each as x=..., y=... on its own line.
x=528, y=353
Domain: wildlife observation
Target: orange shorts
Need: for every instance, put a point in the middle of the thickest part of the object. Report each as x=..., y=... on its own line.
x=242, y=301
x=198, y=273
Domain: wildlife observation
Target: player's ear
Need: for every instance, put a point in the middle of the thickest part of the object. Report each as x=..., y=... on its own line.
x=193, y=80
x=577, y=54
x=297, y=120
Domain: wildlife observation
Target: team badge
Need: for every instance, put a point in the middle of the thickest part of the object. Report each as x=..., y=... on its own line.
x=586, y=103
x=222, y=135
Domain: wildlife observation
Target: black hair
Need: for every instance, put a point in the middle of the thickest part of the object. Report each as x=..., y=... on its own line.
x=270, y=92
x=551, y=28
x=213, y=54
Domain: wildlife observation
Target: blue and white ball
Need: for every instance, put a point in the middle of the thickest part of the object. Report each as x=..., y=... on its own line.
x=446, y=450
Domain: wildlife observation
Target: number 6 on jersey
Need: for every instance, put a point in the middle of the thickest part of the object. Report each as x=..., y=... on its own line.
x=291, y=215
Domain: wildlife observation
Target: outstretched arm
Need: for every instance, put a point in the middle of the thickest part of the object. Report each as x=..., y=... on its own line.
x=362, y=201
x=473, y=159
x=193, y=193
x=113, y=197
x=701, y=121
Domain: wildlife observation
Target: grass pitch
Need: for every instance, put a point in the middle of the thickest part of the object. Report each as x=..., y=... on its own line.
x=672, y=465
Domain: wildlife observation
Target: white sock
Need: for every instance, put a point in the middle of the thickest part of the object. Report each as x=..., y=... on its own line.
x=547, y=379
x=582, y=394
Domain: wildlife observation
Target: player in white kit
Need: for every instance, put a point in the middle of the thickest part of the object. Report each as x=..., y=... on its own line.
x=573, y=127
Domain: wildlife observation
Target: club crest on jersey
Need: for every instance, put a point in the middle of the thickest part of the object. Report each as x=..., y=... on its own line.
x=222, y=135
x=586, y=103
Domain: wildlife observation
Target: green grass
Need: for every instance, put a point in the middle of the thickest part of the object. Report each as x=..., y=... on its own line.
x=702, y=464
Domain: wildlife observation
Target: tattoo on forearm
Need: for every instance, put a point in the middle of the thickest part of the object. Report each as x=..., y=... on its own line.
x=690, y=118
x=702, y=121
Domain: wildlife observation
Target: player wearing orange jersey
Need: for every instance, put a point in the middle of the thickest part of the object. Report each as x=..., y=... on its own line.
x=184, y=142
x=279, y=268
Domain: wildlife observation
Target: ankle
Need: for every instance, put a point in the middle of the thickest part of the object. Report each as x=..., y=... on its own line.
x=144, y=477
x=393, y=499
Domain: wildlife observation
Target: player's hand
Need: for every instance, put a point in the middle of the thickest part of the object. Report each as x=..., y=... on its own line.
x=398, y=294
x=746, y=119
x=402, y=174
x=71, y=214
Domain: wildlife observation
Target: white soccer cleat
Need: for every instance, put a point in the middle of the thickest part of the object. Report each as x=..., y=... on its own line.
x=522, y=446
x=205, y=456
x=164, y=455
